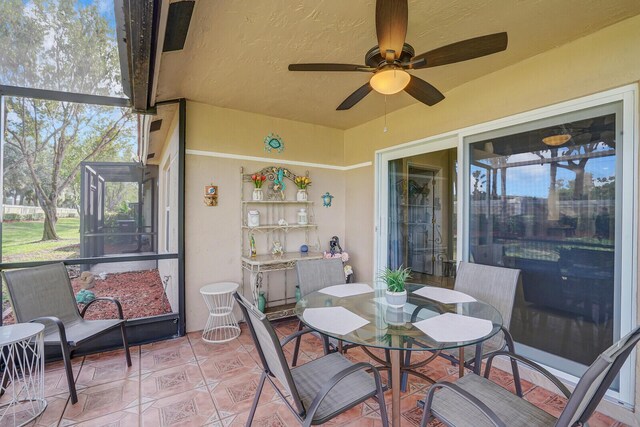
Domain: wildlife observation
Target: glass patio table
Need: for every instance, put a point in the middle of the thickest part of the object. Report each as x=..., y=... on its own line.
x=392, y=329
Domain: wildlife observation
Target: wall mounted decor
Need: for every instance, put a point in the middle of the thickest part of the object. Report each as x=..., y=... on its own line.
x=211, y=195
x=273, y=142
x=326, y=199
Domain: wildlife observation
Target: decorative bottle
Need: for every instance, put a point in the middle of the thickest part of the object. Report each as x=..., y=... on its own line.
x=303, y=218
x=252, y=245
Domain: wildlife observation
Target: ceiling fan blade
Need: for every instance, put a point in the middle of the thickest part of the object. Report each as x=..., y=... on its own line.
x=329, y=67
x=391, y=25
x=423, y=91
x=462, y=51
x=355, y=97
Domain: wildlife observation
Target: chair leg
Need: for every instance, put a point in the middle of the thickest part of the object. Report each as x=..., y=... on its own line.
x=514, y=365
x=478, y=360
x=66, y=358
x=383, y=408
x=256, y=399
x=296, y=349
x=125, y=342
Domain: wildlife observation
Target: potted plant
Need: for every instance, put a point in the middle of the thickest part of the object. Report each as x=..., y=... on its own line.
x=396, y=293
x=302, y=182
x=258, y=179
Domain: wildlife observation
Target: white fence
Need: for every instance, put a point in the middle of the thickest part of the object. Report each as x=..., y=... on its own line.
x=35, y=210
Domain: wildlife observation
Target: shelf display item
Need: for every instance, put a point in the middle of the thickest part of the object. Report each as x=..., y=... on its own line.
x=277, y=232
x=253, y=218
x=252, y=245
x=303, y=217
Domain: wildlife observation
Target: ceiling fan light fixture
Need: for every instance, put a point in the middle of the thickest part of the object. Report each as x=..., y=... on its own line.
x=389, y=81
x=556, y=140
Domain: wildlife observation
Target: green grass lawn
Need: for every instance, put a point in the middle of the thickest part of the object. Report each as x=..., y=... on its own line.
x=21, y=241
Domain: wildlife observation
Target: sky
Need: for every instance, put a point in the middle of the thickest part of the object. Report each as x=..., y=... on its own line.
x=533, y=180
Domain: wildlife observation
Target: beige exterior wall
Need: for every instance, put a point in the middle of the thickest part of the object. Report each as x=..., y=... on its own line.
x=213, y=235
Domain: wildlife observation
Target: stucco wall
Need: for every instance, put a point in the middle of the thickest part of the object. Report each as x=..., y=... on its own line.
x=213, y=234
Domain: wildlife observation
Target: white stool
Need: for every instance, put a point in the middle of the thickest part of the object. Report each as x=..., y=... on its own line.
x=22, y=386
x=222, y=325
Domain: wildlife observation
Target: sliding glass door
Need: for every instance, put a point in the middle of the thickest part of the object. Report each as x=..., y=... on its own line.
x=545, y=197
x=421, y=215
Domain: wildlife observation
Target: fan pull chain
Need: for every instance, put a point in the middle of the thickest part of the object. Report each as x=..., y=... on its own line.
x=385, y=114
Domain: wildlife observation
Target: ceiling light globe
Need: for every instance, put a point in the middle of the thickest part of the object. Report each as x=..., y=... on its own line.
x=556, y=140
x=390, y=81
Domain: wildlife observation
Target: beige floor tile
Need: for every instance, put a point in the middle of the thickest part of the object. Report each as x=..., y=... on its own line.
x=165, y=354
x=191, y=408
x=52, y=414
x=167, y=382
x=235, y=395
x=94, y=402
x=220, y=367
x=127, y=418
x=107, y=367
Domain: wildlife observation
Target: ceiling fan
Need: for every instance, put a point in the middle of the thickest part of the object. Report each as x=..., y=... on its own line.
x=392, y=57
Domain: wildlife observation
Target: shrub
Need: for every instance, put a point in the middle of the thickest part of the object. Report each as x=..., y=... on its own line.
x=12, y=217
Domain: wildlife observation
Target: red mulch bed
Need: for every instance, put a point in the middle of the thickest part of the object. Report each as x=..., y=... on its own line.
x=140, y=293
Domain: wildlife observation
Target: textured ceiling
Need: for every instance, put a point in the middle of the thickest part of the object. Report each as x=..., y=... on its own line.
x=237, y=51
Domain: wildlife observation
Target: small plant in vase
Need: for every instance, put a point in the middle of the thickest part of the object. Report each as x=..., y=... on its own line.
x=258, y=179
x=396, y=294
x=302, y=182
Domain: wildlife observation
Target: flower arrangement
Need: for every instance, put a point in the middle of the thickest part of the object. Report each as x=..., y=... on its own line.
x=302, y=182
x=344, y=256
x=258, y=179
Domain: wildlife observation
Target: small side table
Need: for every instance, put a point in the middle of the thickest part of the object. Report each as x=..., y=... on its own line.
x=222, y=325
x=22, y=386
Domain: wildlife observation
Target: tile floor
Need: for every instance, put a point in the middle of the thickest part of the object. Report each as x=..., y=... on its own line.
x=187, y=382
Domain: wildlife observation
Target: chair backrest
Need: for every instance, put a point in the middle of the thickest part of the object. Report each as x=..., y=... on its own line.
x=269, y=349
x=315, y=274
x=493, y=285
x=42, y=291
x=596, y=381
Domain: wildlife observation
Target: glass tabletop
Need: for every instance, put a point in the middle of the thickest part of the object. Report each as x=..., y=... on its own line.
x=393, y=328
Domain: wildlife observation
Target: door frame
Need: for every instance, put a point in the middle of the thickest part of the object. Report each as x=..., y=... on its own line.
x=381, y=191
x=628, y=95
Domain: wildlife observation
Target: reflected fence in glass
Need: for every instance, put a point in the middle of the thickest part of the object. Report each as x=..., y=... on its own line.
x=550, y=211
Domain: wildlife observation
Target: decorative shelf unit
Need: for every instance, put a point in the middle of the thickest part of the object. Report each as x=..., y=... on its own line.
x=291, y=235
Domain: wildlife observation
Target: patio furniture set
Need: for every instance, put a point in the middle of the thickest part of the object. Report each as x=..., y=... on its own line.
x=466, y=325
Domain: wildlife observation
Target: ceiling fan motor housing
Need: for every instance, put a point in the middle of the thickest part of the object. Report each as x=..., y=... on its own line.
x=374, y=58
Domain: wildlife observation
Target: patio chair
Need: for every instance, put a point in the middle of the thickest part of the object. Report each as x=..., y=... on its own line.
x=313, y=275
x=496, y=286
x=474, y=400
x=318, y=390
x=44, y=295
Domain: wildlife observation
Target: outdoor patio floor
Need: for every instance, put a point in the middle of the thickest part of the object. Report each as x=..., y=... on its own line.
x=188, y=382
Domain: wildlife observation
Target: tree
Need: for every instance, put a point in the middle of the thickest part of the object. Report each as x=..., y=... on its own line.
x=66, y=47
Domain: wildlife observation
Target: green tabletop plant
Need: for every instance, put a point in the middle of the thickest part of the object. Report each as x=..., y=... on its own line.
x=395, y=280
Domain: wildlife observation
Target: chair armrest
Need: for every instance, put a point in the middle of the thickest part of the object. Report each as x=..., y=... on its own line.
x=293, y=336
x=52, y=319
x=113, y=300
x=329, y=385
x=532, y=365
x=466, y=396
